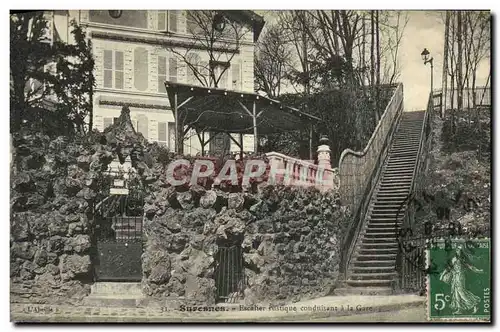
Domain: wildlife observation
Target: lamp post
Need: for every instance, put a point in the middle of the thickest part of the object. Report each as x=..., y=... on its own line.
x=425, y=56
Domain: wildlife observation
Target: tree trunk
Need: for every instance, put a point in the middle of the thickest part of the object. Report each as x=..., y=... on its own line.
x=459, y=63
x=372, y=65
x=377, y=95
x=445, y=65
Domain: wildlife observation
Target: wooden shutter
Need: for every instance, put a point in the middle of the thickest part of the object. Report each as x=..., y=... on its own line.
x=161, y=20
x=236, y=75
x=141, y=68
x=142, y=125
x=107, y=122
x=162, y=131
x=118, y=70
x=172, y=20
x=172, y=69
x=108, y=69
x=193, y=60
x=162, y=73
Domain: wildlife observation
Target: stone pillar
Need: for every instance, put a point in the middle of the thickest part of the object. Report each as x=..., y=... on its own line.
x=324, y=153
x=324, y=164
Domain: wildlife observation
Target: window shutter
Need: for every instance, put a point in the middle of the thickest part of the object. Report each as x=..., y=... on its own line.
x=223, y=79
x=108, y=69
x=172, y=20
x=193, y=60
x=204, y=71
x=107, y=122
x=172, y=69
x=142, y=125
x=162, y=73
x=162, y=131
x=118, y=70
x=141, y=68
x=161, y=20
x=236, y=75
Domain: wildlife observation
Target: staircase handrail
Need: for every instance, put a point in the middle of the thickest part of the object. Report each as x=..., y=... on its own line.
x=387, y=121
x=406, y=233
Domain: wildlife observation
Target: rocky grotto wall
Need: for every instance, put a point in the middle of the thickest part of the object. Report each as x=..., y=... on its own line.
x=54, y=182
x=290, y=239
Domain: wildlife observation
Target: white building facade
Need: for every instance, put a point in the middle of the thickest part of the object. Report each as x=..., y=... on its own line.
x=133, y=58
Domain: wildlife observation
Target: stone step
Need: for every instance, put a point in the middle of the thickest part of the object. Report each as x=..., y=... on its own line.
x=346, y=291
x=389, y=240
x=371, y=269
x=372, y=230
x=370, y=283
x=116, y=288
x=374, y=251
x=383, y=225
x=364, y=276
x=378, y=263
x=377, y=257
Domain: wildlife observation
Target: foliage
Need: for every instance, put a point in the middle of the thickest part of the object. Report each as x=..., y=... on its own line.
x=271, y=61
x=49, y=74
x=458, y=182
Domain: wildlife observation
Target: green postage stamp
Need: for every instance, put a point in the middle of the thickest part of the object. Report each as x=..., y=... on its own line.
x=459, y=280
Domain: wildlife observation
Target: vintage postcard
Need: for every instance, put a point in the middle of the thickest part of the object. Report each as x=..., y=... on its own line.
x=250, y=166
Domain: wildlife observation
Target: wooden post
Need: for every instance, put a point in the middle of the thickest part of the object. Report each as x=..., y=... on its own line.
x=241, y=146
x=176, y=119
x=255, y=137
x=310, y=142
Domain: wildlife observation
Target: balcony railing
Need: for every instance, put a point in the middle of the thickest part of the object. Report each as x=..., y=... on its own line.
x=302, y=173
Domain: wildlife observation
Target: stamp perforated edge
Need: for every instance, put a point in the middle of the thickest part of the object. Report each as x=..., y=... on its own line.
x=427, y=288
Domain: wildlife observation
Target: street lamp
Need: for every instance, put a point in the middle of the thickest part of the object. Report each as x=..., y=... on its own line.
x=425, y=56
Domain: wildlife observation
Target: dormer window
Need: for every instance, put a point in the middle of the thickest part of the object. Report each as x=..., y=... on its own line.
x=167, y=20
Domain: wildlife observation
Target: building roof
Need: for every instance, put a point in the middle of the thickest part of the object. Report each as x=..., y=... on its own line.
x=248, y=17
x=220, y=110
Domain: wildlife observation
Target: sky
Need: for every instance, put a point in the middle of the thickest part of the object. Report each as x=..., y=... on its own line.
x=425, y=29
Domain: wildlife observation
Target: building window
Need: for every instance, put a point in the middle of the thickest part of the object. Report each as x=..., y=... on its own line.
x=113, y=69
x=167, y=20
x=107, y=122
x=192, y=23
x=162, y=133
x=129, y=18
x=141, y=69
x=193, y=69
x=162, y=73
x=221, y=75
x=172, y=69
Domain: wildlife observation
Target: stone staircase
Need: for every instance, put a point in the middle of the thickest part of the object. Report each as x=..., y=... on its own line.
x=372, y=267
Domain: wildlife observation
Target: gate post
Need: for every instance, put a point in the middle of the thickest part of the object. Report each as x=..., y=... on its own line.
x=324, y=162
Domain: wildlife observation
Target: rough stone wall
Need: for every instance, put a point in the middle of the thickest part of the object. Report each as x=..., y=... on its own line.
x=290, y=239
x=54, y=184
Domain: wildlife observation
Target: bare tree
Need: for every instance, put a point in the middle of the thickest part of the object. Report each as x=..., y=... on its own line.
x=272, y=59
x=392, y=27
x=217, y=36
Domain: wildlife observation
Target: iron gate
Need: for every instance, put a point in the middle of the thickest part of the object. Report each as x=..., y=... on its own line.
x=118, y=233
x=229, y=274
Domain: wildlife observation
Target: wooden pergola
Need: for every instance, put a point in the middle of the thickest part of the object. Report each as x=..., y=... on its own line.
x=220, y=111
